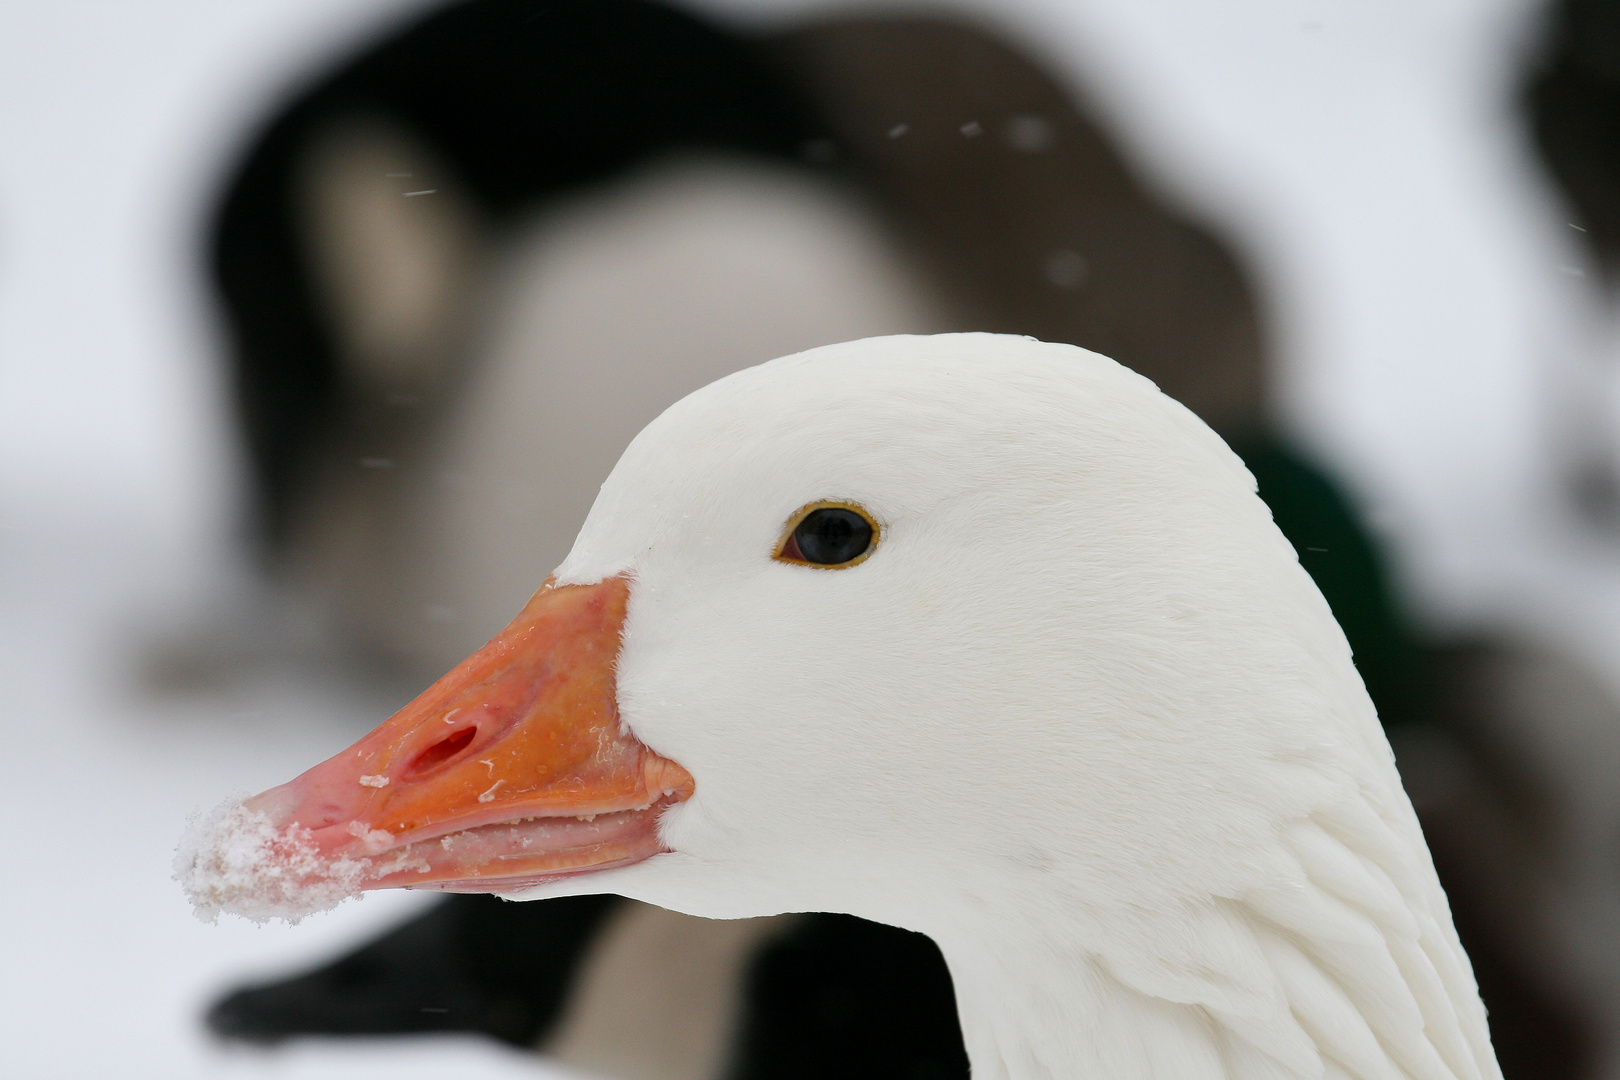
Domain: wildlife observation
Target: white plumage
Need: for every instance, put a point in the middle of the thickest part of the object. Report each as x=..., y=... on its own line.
x=1082, y=718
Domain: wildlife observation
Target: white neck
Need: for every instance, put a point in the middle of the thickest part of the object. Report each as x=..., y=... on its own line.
x=1327, y=963
x=1042, y=1011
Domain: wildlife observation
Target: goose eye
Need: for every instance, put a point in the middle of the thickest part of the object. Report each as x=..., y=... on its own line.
x=829, y=535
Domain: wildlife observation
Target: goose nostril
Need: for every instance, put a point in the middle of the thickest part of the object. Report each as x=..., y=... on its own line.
x=440, y=752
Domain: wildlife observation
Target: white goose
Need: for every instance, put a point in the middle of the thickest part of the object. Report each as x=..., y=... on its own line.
x=1071, y=708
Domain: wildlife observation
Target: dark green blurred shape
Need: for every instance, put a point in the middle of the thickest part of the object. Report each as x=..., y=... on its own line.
x=1339, y=555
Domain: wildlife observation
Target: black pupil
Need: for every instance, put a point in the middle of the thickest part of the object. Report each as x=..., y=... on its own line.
x=832, y=535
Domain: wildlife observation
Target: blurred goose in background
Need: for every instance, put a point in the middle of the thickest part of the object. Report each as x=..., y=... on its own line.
x=444, y=333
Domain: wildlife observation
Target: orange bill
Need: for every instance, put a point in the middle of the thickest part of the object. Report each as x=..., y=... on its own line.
x=512, y=769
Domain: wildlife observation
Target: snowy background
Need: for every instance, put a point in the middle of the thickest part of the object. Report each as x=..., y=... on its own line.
x=1436, y=326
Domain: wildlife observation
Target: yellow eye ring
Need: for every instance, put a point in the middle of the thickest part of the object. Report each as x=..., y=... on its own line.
x=828, y=534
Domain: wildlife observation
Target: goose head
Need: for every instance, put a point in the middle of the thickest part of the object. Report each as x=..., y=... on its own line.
x=970, y=634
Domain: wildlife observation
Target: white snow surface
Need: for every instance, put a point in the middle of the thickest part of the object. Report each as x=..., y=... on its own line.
x=234, y=859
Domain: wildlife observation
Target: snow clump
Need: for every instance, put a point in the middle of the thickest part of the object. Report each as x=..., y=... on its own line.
x=234, y=859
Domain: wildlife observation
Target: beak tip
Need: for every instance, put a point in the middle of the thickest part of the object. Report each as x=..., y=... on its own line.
x=275, y=804
x=237, y=858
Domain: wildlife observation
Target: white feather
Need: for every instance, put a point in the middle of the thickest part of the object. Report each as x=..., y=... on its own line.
x=1081, y=717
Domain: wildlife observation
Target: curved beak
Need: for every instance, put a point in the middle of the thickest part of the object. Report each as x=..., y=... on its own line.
x=512, y=769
